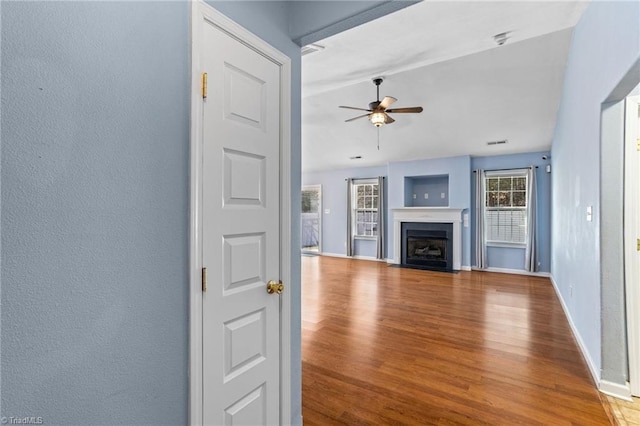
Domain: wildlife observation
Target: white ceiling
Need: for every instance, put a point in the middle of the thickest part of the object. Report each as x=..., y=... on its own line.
x=441, y=56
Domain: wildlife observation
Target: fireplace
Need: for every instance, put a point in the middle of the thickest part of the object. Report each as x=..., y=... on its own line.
x=427, y=245
x=430, y=216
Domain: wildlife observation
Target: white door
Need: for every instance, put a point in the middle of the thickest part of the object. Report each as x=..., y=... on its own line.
x=632, y=237
x=240, y=233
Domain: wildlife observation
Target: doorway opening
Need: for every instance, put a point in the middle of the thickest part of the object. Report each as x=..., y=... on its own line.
x=311, y=222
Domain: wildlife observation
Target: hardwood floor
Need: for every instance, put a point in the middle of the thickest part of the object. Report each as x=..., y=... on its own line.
x=383, y=345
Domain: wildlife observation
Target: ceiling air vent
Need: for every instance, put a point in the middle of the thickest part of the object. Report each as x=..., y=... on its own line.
x=310, y=48
x=497, y=142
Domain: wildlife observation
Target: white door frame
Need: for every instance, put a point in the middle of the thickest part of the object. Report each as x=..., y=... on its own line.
x=200, y=12
x=631, y=233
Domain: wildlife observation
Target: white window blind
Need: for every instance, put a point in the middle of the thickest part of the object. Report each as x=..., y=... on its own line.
x=506, y=207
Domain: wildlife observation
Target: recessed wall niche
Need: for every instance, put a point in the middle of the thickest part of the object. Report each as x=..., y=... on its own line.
x=426, y=191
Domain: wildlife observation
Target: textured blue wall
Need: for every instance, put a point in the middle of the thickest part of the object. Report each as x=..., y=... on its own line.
x=605, y=45
x=433, y=186
x=95, y=136
x=513, y=258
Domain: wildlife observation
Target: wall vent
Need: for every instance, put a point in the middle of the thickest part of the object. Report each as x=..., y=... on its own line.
x=310, y=48
x=497, y=142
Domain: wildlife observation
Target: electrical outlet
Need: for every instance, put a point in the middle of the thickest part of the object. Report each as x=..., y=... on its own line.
x=426, y=195
x=442, y=195
x=414, y=196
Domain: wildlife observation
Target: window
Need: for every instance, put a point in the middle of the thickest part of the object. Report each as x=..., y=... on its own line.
x=311, y=229
x=365, y=208
x=506, y=208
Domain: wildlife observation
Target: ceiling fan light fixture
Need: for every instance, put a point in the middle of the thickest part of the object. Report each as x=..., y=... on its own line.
x=377, y=119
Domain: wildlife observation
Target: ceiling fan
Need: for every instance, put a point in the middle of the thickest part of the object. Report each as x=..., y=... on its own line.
x=378, y=113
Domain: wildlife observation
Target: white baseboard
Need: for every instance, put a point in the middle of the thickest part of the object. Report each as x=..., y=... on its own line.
x=344, y=256
x=615, y=390
x=593, y=369
x=513, y=271
x=465, y=268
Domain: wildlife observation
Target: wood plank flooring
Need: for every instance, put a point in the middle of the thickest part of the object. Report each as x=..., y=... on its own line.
x=387, y=346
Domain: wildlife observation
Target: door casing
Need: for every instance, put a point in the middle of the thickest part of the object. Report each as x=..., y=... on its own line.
x=200, y=12
x=631, y=235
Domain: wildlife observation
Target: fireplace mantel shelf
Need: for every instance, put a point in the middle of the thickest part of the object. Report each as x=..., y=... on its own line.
x=431, y=214
x=428, y=214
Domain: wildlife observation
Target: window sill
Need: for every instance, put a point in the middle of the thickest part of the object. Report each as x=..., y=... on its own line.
x=507, y=245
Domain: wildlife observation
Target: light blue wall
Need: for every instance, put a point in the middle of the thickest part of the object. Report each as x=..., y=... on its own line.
x=435, y=187
x=457, y=168
x=605, y=45
x=95, y=206
x=513, y=258
x=95, y=201
x=334, y=198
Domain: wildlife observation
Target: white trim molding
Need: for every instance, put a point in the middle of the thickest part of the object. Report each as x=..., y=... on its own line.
x=615, y=390
x=431, y=215
x=609, y=388
x=631, y=231
x=344, y=256
x=593, y=368
x=513, y=271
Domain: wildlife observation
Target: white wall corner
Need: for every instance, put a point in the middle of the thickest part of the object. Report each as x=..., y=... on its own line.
x=615, y=390
x=595, y=371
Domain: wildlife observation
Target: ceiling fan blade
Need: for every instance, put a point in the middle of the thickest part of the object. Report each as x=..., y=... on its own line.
x=409, y=109
x=355, y=118
x=388, y=119
x=359, y=109
x=387, y=101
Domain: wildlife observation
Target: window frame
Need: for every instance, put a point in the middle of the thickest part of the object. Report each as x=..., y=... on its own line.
x=355, y=210
x=515, y=173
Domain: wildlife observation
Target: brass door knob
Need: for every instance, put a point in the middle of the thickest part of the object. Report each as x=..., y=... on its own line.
x=275, y=287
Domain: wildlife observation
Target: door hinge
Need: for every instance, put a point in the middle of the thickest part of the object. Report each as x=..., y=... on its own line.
x=204, y=85
x=638, y=244
x=204, y=279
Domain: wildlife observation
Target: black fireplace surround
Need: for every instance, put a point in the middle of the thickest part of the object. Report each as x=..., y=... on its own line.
x=427, y=245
